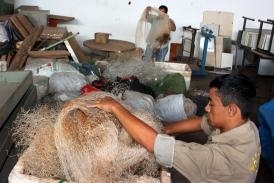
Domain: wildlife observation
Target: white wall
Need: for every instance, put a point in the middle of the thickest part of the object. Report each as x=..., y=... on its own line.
x=120, y=19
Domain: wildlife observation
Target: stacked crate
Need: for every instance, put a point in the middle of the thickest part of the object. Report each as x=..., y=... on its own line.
x=16, y=92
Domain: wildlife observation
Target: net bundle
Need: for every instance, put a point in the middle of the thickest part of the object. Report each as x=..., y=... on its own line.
x=92, y=145
x=33, y=134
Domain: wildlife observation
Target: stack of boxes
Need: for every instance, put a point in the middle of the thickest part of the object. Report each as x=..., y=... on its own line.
x=219, y=53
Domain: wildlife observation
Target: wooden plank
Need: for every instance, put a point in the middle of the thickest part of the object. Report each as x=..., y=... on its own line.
x=37, y=17
x=175, y=51
x=61, y=18
x=55, y=33
x=25, y=22
x=81, y=56
x=27, y=7
x=71, y=51
x=18, y=25
x=4, y=17
x=20, y=57
x=49, y=54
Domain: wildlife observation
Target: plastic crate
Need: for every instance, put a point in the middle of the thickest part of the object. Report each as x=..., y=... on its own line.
x=17, y=176
x=183, y=69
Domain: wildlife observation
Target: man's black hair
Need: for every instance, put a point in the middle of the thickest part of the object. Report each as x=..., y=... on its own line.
x=164, y=7
x=237, y=89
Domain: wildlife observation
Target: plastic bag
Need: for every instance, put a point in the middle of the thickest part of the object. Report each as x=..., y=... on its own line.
x=139, y=100
x=66, y=82
x=170, y=108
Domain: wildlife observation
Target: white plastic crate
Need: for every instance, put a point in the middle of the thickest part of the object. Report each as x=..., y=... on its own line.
x=183, y=69
x=17, y=176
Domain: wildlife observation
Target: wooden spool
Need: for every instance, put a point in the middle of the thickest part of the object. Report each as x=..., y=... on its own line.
x=101, y=38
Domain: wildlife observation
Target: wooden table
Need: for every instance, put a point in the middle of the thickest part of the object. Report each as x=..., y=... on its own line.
x=259, y=55
x=113, y=45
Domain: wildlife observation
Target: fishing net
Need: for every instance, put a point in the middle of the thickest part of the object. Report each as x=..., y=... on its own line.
x=153, y=28
x=83, y=144
x=33, y=136
x=144, y=71
x=173, y=83
x=90, y=148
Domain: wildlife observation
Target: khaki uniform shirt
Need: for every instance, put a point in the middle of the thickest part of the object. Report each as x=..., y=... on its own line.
x=232, y=156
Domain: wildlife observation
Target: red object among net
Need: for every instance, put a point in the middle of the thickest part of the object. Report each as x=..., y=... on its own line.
x=87, y=89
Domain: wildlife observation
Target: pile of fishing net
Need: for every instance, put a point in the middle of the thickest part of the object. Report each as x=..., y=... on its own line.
x=144, y=71
x=83, y=144
x=156, y=79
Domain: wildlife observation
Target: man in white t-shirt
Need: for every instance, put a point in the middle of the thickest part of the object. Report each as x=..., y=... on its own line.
x=159, y=53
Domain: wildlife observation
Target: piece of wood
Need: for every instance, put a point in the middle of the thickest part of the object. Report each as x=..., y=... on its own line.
x=175, y=50
x=26, y=7
x=21, y=55
x=25, y=22
x=18, y=25
x=61, y=18
x=49, y=54
x=71, y=51
x=263, y=55
x=4, y=17
x=81, y=57
x=55, y=33
x=113, y=45
x=37, y=17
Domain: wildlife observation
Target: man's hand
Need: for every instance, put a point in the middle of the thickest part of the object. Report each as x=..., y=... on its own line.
x=148, y=8
x=107, y=104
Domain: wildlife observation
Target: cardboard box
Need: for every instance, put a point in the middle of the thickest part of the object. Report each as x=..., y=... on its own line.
x=224, y=19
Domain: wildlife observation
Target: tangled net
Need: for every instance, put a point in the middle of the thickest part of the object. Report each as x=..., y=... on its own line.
x=89, y=145
x=33, y=134
x=144, y=71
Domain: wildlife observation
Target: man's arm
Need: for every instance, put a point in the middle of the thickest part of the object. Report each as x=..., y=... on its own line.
x=140, y=131
x=172, y=25
x=188, y=125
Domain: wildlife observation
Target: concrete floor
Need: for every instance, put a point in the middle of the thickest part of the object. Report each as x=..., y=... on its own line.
x=265, y=91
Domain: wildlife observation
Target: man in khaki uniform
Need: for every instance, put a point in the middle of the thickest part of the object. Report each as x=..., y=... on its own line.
x=233, y=149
